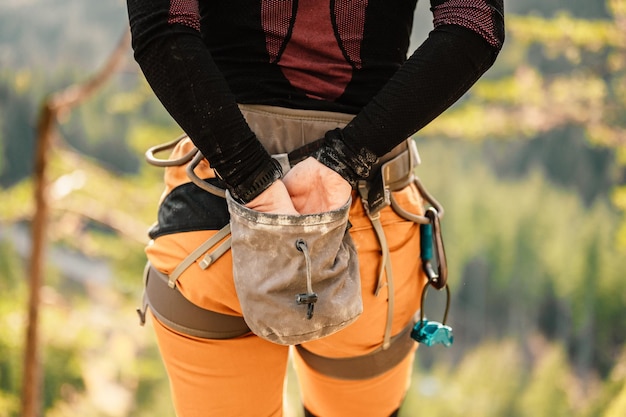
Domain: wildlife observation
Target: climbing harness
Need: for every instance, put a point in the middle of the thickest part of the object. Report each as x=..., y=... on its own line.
x=394, y=173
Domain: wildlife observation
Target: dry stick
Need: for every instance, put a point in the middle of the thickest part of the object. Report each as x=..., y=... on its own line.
x=55, y=105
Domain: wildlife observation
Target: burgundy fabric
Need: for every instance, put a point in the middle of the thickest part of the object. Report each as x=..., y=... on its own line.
x=185, y=12
x=277, y=18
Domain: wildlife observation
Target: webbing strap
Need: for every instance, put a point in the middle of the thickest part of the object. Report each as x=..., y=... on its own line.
x=208, y=259
x=364, y=366
x=211, y=257
x=172, y=308
x=397, y=173
x=386, y=267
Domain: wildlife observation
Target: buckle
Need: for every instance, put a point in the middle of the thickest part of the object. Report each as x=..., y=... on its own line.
x=392, y=175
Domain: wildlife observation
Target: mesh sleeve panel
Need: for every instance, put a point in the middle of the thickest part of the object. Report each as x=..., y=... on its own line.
x=185, y=12
x=484, y=17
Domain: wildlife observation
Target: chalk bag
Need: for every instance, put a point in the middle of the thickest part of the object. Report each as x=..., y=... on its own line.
x=296, y=276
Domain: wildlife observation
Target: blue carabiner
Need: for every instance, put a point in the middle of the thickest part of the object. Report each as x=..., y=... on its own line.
x=426, y=331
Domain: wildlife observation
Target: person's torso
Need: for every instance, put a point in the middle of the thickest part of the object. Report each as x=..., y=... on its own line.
x=318, y=54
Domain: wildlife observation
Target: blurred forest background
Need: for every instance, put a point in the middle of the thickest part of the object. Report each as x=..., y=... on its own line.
x=530, y=165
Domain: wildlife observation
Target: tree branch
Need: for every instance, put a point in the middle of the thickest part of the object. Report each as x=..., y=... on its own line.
x=52, y=108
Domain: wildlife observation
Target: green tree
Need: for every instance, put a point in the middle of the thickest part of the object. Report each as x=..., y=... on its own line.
x=558, y=72
x=549, y=391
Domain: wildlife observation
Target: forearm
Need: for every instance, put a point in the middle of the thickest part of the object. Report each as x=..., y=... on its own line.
x=423, y=88
x=184, y=77
x=463, y=45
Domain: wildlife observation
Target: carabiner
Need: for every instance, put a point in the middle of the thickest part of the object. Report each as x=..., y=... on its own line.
x=426, y=331
x=430, y=235
x=206, y=186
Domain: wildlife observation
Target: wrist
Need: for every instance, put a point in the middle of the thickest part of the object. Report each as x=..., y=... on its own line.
x=261, y=180
x=352, y=164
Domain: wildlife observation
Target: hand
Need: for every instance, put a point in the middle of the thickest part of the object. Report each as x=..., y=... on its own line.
x=275, y=199
x=315, y=188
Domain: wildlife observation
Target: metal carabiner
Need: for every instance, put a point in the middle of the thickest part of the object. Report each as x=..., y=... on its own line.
x=206, y=186
x=426, y=331
x=430, y=236
x=193, y=157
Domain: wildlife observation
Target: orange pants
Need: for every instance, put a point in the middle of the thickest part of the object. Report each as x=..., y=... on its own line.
x=244, y=376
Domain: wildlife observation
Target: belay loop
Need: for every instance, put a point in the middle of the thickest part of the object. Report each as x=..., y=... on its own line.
x=309, y=297
x=426, y=331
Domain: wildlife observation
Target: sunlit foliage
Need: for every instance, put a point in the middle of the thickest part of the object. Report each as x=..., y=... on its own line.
x=530, y=166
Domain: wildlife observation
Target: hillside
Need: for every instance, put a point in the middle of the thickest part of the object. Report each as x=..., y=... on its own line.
x=53, y=34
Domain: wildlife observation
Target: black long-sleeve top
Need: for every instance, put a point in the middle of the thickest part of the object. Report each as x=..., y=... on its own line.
x=201, y=58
